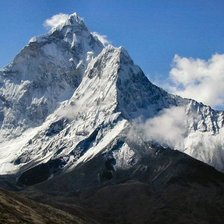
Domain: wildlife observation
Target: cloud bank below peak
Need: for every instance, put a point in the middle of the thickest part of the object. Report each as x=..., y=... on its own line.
x=202, y=80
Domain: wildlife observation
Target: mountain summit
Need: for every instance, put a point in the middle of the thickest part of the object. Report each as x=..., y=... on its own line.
x=73, y=22
x=43, y=75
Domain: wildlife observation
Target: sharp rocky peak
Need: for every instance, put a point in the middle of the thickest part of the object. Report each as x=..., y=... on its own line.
x=74, y=33
x=73, y=21
x=45, y=73
x=135, y=94
x=137, y=97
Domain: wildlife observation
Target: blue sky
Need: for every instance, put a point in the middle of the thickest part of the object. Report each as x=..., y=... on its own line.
x=152, y=31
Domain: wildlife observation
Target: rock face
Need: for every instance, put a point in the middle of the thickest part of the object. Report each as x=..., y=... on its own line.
x=67, y=98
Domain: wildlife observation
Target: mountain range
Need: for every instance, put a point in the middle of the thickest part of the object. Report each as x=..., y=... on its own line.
x=84, y=131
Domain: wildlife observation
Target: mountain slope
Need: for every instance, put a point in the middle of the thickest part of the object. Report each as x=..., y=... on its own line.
x=164, y=186
x=18, y=209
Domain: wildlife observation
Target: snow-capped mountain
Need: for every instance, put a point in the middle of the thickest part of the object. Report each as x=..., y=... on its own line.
x=66, y=98
x=44, y=74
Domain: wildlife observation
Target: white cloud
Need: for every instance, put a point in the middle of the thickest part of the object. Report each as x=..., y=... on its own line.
x=56, y=20
x=199, y=79
x=168, y=128
x=171, y=128
x=102, y=38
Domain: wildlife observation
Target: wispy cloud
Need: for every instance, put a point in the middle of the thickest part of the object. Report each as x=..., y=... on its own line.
x=55, y=20
x=202, y=80
x=102, y=38
x=167, y=128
